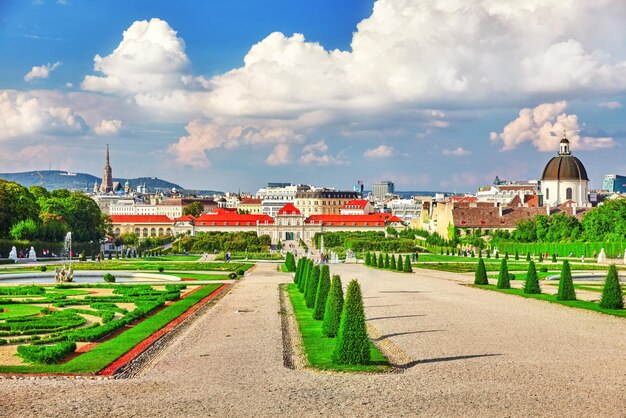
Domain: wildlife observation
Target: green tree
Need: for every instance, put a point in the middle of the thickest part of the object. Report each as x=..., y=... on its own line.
x=612, y=291
x=194, y=209
x=399, y=265
x=528, y=256
x=290, y=262
x=323, y=287
x=554, y=257
x=516, y=255
x=333, y=308
x=25, y=229
x=503, y=276
x=381, y=261
x=392, y=262
x=353, y=344
x=531, y=286
x=296, y=277
x=368, y=259
x=407, y=265
x=311, y=287
x=566, y=284
x=16, y=204
x=480, y=275
x=306, y=272
x=386, y=261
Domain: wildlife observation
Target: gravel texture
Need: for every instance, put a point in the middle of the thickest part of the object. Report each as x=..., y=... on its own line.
x=463, y=352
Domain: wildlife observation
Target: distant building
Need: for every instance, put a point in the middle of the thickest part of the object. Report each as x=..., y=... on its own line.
x=614, y=183
x=382, y=189
x=357, y=207
x=406, y=209
x=323, y=201
x=503, y=193
x=276, y=195
x=250, y=205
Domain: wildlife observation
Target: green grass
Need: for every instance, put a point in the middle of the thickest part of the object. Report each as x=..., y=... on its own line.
x=139, y=264
x=319, y=349
x=492, y=265
x=16, y=309
x=591, y=287
x=579, y=304
x=198, y=276
x=172, y=258
x=109, y=351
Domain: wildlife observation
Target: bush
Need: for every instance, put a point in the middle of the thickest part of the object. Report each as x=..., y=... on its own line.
x=392, y=263
x=386, y=265
x=516, y=255
x=407, y=265
x=82, y=256
x=323, y=287
x=527, y=256
x=543, y=269
x=399, y=265
x=333, y=308
x=110, y=257
x=480, y=275
x=43, y=268
x=290, y=263
x=503, y=277
x=566, y=284
x=554, y=257
x=232, y=276
x=511, y=276
x=381, y=261
x=531, y=286
x=353, y=344
x=368, y=259
x=161, y=269
x=109, y=278
x=306, y=271
x=296, y=277
x=46, y=354
x=241, y=272
x=612, y=291
x=311, y=287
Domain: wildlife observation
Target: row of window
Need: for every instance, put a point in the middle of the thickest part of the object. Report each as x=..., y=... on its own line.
x=145, y=232
x=568, y=194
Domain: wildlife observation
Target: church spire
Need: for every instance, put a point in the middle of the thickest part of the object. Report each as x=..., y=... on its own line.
x=564, y=145
x=107, y=176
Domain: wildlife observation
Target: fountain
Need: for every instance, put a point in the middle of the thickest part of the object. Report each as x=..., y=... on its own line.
x=32, y=255
x=13, y=254
x=350, y=257
x=602, y=256
x=63, y=275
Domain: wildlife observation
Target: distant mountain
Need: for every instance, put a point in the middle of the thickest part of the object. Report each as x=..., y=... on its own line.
x=55, y=179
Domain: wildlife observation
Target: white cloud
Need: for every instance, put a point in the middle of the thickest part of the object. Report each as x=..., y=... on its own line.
x=69, y=85
x=42, y=71
x=611, y=105
x=150, y=58
x=381, y=151
x=457, y=152
x=316, y=154
x=279, y=156
x=543, y=126
x=108, y=127
x=22, y=114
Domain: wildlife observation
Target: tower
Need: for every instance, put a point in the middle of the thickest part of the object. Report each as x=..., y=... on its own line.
x=107, y=177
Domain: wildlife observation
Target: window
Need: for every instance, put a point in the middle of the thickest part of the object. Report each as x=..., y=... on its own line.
x=547, y=194
x=153, y=232
x=568, y=193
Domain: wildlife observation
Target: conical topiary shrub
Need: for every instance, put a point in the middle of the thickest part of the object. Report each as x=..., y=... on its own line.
x=528, y=256
x=334, y=306
x=554, y=258
x=311, y=287
x=296, y=276
x=386, y=260
x=503, y=278
x=323, y=286
x=306, y=272
x=353, y=344
x=290, y=263
x=407, y=265
x=516, y=255
x=612, y=292
x=566, y=285
x=392, y=262
x=488, y=254
x=532, y=281
x=399, y=266
x=480, y=275
x=381, y=261
x=368, y=259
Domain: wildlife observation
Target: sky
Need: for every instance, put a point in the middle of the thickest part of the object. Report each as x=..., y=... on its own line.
x=230, y=95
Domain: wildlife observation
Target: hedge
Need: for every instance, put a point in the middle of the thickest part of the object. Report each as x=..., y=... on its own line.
x=46, y=354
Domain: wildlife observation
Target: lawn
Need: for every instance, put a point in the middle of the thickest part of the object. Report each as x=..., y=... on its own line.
x=198, y=276
x=110, y=350
x=172, y=258
x=492, y=265
x=16, y=310
x=319, y=349
x=579, y=304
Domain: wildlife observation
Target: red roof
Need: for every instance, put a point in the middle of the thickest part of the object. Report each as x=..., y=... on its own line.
x=463, y=199
x=185, y=218
x=224, y=218
x=289, y=209
x=356, y=203
x=250, y=201
x=374, y=219
x=140, y=219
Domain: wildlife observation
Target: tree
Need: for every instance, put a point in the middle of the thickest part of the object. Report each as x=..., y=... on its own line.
x=333, y=308
x=612, y=291
x=16, y=204
x=516, y=255
x=554, y=257
x=368, y=259
x=566, y=284
x=323, y=287
x=399, y=265
x=528, y=256
x=290, y=263
x=306, y=271
x=407, y=265
x=381, y=261
x=392, y=262
x=194, y=209
x=386, y=261
x=503, y=277
x=531, y=286
x=25, y=230
x=296, y=277
x=480, y=275
x=311, y=287
x=353, y=344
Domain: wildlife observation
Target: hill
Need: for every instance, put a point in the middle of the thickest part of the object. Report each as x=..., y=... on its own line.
x=55, y=179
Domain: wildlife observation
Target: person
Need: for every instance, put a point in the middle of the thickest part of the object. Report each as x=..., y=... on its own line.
x=417, y=256
x=414, y=256
x=227, y=256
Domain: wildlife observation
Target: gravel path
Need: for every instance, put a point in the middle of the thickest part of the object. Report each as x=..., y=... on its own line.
x=473, y=353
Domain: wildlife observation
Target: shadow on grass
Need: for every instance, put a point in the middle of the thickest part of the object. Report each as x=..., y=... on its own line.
x=397, y=334
x=443, y=359
x=392, y=317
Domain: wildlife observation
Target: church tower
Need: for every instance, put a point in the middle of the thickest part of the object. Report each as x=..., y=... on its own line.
x=107, y=176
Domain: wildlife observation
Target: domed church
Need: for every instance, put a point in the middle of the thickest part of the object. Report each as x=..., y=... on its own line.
x=565, y=179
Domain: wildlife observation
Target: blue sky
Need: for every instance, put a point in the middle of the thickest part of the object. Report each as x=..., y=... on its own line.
x=433, y=95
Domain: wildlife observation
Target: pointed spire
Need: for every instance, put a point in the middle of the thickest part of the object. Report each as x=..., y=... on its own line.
x=107, y=157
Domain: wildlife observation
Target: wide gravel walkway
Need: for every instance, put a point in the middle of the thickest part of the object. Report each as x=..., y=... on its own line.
x=469, y=352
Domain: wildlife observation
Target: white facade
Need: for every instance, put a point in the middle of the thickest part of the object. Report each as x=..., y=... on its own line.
x=133, y=208
x=405, y=209
x=557, y=192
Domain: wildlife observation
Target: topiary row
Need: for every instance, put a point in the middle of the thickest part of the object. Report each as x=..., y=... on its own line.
x=388, y=262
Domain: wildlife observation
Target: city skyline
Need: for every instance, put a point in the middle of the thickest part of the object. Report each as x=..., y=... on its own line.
x=432, y=95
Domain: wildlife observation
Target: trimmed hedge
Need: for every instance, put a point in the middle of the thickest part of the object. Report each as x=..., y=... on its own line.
x=480, y=275
x=353, y=345
x=290, y=263
x=503, y=277
x=46, y=354
x=566, y=284
x=323, y=287
x=333, y=308
x=612, y=291
x=311, y=287
x=531, y=286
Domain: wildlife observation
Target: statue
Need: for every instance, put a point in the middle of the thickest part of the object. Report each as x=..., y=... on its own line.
x=350, y=256
x=61, y=275
x=602, y=256
x=13, y=254
x=32, y=255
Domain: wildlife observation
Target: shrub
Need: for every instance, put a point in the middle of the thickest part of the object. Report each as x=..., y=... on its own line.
x=554, y=257
x=381, y=261
x=480, y=275
x=531, y=286
x=516, y=255
x=43, y=268
x=566, y=285
x=612, y=291
x=296, y=276
x=311, y=287
x=93, y=256
x=323, y=287
x=543, y=269
x=306, y=271
x=488, y=254
x=511, y=276
x=333, y=308
x=110, y=256
x=506, y=255
x=82, y=257
x=527, y=256
x=161, y=269
x=46, y=354
x=497, y=255
x=503, y=277
x=407, y=265
x=392, y=262
x=368, y=259
x=399, y=266
x=290, y=263
x=232, y=276
x=353, y=345
x=541, y=258
x=386, y=261
x=241, y=272
x=109, y=278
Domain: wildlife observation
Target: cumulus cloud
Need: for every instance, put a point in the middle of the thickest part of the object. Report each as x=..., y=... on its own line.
x=611, y=105
x=279, y=155
x=42, y=71
x=317, y=154
x=150, y=58
x=22, y=114
x=381, y=151
x=108, y=127
x=457, y=152
x=544, y=126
